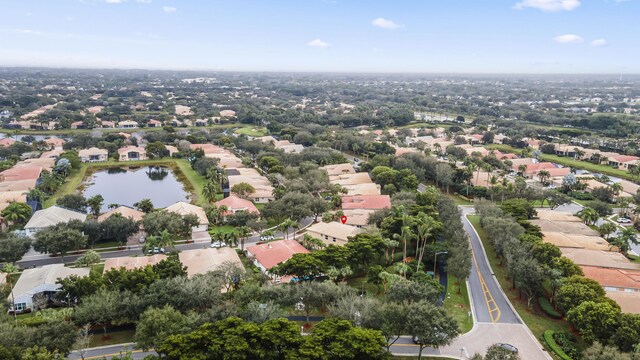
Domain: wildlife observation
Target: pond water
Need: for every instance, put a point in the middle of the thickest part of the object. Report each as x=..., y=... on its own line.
x=126, y=186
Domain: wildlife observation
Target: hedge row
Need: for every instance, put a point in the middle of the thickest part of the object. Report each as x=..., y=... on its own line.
x=548, y=338
x=546, y=306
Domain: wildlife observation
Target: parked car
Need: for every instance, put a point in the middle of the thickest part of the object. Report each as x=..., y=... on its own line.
x=509, y=347
x=156, y=250
x=624, y=220
x=218, y=244
x=266, y=238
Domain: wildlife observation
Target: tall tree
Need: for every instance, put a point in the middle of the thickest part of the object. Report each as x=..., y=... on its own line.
x=59, y=239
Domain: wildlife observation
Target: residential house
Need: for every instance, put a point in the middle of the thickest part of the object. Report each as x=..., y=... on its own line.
x=54, y=143
x=172, y=150
x=266, y=256
x=124, y=211
x=183, y=208
x=36, y=287
x=107, y=124
x=78, y=125
x=227, y=113
x=202, y=261
x=132, y=153
x=154, y=124
x=624, y=162
x=234, y=204
x=263, y=189
x=369, y=202
x=338, y=169
x=93, y=155
x=599, y=258
x=18, y=173
x=51, y=216
x=127, y=124
x=6, y=142
x=132, y=262
x=200, y=122
x=332, y=233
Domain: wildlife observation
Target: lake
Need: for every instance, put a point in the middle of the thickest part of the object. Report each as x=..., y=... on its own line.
x=126, y=186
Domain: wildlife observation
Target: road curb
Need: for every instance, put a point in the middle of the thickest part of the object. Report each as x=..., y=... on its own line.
x=505, y=295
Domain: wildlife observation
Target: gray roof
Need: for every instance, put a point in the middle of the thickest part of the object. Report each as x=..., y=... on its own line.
x=52, y=216
x=33, y=281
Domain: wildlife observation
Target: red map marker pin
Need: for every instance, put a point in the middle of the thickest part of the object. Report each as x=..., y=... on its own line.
x=343, y=219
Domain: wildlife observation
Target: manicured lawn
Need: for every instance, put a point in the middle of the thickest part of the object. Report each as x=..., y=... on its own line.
x=457, y=304
x=360, y=283
x=225, y=229
x=460, y=200
x=194, y=178
x=108, y=244
x=252, y=131
x=534, y=318
x=116, y=337
x=71, y=184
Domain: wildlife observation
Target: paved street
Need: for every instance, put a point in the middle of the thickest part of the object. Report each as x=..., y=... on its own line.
x=43, y=259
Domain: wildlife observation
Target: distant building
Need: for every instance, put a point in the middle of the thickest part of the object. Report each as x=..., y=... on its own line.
x=154, y=123
x=235, y=204
x=183, y=208
x=124, y=211
x=132, y=153
x=266, y=256
x=93, y=155
x=127, y=124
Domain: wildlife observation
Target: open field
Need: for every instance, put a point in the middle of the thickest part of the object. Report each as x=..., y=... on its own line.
x=252, y=131
x=457, y=304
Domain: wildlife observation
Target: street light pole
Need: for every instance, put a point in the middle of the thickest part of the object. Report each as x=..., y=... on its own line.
x=435, y=259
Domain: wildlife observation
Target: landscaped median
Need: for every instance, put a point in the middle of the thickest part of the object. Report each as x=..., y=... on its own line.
x=537, y=321
x=193, y=182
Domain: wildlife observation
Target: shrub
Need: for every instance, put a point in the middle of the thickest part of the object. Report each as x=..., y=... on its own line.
x=567, y=343
x=548, y=338
x=579, y=195
x=548, y=309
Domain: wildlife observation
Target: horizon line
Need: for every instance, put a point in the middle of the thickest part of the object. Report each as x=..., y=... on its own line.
x=3, y=67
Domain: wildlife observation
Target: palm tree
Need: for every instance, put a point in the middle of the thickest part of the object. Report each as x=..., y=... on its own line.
x=37, y=195
x=17, y=213
x=243, y=232
x=295, y=225
x=95, y=203
x=144, y=205
x=625, y=237
x=167, y=240
x=390, y=244
x=210, y=190
x=426, y=227
x=406, y=235
x=588, y=215
x=606, y=229
x=522, y=169
x=578, y=153
x=616, y=188
x=544, y=175
x=10, y=269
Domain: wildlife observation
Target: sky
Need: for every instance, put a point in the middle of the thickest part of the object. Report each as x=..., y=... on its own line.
x=399, y=36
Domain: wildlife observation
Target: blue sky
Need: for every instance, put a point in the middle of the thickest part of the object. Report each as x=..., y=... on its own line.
x=454, y=36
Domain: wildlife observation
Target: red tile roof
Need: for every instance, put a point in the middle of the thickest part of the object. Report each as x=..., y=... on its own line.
x=624, y=158
x=234, y=203
x=275, y=252
x=621, y=278
x=21, y=173
x=6, y=142
x=371, y=202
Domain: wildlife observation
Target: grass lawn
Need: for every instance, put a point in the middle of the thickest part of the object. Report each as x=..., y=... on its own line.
x=534, y=317
x=71, y=184
x=360, y=283
x=116, y=337
x=108, y=244
x=194, y=178
x=224, y=229
x=457, y=304
x=460, y=200
x=252, y=131
x=423, y=358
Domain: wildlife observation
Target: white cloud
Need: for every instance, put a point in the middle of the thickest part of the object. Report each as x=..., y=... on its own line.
x=144, y=1
x=318, y=43
x=384, y=23
x=22, y=31
x=548, y=5
x=169, y=9
x=599, y=42
x=568, y=39
x=114, y=1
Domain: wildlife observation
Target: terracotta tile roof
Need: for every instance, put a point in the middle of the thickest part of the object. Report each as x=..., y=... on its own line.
x=130, y=262
x=624, y=158
x=372, y=202
x=184, y=208
x=202, y=261
x=620, y=278
x=6, y=142
x=54, y=141
x=275, y=252
x=21, y=173
x=598, y=258
x=629, y=301
x=138, y=149
x=235, y=203
x=339, y=169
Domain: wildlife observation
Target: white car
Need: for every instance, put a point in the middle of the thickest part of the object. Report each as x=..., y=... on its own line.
x=266, y=238
x=218, y=244
x=156, y=250
x=624, y=220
